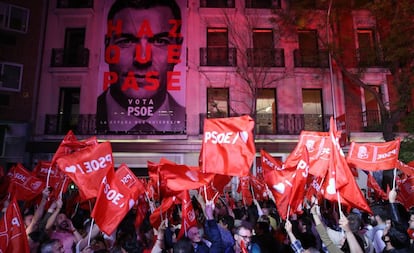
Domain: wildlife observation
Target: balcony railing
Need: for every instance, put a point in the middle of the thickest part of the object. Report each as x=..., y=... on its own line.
x=371, y=120
x=77, y=4
x=369, y=57
x=83, y=124
x=62, y=57
x=263, y=4
x=266, y=57
x=217, y=3
x=287, y=124
x=319, y=60
x=221, y=56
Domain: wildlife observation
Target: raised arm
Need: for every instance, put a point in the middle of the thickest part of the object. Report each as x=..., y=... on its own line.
x=39, y=211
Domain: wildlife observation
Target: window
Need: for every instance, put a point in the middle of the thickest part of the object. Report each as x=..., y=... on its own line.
x=308, y=48
x=371, y=111
x=68, y=109
x=10, y=76
x=367, y=55
x=217, y=102
x=14, y=18
x=313, y=109
x=217, y=46
x=266, y=111
x=3, y=129
x=263, y=53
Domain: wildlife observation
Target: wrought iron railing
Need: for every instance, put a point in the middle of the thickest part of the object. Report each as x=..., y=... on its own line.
x=218, y=56
x=369, y=57
x=77, y=4
x=217, y=3
x=83, y=124
x=67, y=57
x=263, y=4
x=371, y=120
x=318, y=60
x=266, y=57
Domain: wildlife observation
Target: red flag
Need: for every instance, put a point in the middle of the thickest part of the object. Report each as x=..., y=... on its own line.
x=163, y=211
x=228, y=146
x=243, y=247
x=87, y=168
x=299, y=180
x=23, y=185
x=188, y=215
x=215, y=187
x=4, y=183
x=372, y=183
x=318, y=145
x=340, y=178
x=183, y=177
x=141, y=210
x=374, y=156
x=259, y=187
x=278, y=179
x=406, y=193
x=244, y=189
x=116, y=197
x=408, y=169
x=13, y=236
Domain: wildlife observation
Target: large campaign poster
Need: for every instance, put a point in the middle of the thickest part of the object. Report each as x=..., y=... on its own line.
x=143, y=74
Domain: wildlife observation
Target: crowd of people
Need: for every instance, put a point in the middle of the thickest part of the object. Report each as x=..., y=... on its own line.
x=225, y=227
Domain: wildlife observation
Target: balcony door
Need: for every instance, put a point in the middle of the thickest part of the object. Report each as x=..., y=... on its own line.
x=69, y=99
x=266, y=111
x=313, y=109
x=74, y=45
x=308, y=47
x=217, y=46
x=263, y=48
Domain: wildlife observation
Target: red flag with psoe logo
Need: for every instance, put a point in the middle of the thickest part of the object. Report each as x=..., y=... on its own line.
x=339, y=178
x=117, y=195
x=87, y=167
x=228, y=146
x=188, y=215
x=23, y=185
x=374, y=156
x=318, y=145
x=13, y=236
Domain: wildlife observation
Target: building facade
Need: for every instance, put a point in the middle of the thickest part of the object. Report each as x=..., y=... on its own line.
x=237, y=57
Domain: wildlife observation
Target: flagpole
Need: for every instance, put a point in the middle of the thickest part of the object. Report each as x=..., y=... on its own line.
x=394, y=178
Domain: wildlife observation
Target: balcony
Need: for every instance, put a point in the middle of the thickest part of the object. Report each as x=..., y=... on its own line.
x=63, y=57
x=263, y=4
x=266, y=57
x=286, y=124
x=369, y=57
x=217, y=3
x=83, y=124
x=223, y=56
x=77, y=4
x=319, y=60
x=371, y=120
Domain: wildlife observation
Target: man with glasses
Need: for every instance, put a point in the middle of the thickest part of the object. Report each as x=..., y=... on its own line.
x=242, y=236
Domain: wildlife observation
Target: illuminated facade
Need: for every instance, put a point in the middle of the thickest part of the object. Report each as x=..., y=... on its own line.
x=236, y=59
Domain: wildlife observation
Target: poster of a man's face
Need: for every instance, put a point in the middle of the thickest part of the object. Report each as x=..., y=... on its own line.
x=143, y=89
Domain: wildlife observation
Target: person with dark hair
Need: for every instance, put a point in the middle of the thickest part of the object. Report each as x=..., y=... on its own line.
x=243, y=239
x=183, y=245
x=142, y=46
x=380, y=217
x=226, y=225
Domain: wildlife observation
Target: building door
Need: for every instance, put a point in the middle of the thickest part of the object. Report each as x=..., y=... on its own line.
x=69, y=99
x=313, y=109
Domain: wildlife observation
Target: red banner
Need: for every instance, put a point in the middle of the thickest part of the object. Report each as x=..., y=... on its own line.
x=23, y=185
x=228, y=146
x=13, y=236
x=87, y=168
x=374, y=156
